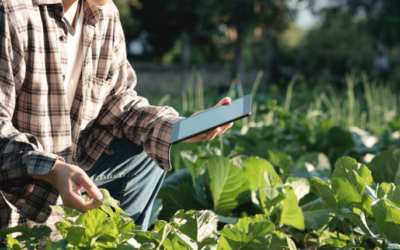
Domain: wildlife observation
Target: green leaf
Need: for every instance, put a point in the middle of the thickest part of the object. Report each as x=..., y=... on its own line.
x=390, y=246
x=125, y=246
x=126, y=236
x=164, y=233
x=281, y=160
x=147, y=246
x=178, y=179
x=366, y=205
x=198, y=228
x=61, y=227
x=97, y=222
x=173, y=242
x=254, y=238
x=349, y=181
x=300, y=186
x=394, y=195
x=227, y=220
x=70, y=212
x=359, y=220
x=370, y=192
x=312, y=165
x=328, y=247
x=273, y=196
x=159, y=225
x=387, y=219
x=291, y=214
x=239, y=160
x=58, y=209
x=25, y=241
x=194, y=165
x=61, y=245
x=281, y=243
x=22, y=229
x=13, y=243
x=110, y=202
x=291, y=244
x=76, y=235
x=123, y=225
x=385, y=167
x=384, y=189
x=228, y=186
x=243, y=223
x=103, y=238
x=176, y=199
x=40, y=232
x=147, y=237
x=108, y=210
x=316, y=214
x=254, y=171
x=325, y=192
x=66, y=211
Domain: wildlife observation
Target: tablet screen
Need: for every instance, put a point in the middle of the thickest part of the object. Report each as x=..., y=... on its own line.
x=211, y=118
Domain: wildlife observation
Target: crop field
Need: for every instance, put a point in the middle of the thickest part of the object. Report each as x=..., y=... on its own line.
x=309, y=169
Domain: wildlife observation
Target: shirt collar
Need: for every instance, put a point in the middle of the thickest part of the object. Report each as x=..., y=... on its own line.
x=92, y=12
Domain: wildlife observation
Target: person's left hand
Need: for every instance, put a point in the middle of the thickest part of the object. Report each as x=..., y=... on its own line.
x=207, y=136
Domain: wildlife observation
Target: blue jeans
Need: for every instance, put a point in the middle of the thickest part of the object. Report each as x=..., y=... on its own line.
x=131, y=177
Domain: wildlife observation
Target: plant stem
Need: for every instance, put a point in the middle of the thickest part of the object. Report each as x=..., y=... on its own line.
x=263, y=204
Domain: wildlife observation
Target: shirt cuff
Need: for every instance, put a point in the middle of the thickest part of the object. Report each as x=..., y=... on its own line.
x=161, y=144
x=41, y=162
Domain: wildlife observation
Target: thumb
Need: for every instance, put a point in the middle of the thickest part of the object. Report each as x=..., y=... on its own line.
x=224, y=101
x=91, y=188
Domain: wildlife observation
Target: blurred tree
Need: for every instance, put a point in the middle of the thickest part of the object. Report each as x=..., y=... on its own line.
x=129, y=23
x=164, y=21
x=244, y=16
x=383, y=17
x=217, y=29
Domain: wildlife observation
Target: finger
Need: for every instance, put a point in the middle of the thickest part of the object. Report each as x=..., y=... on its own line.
x=90, y=188
x=80, y=203
x=197, y=138
x=224, y=128
x=212, y=134
x=224, y=101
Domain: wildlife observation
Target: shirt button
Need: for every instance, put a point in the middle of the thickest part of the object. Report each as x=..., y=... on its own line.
x=63, y=38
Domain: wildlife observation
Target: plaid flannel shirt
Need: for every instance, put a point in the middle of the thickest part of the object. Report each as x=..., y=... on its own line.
x=36, y=126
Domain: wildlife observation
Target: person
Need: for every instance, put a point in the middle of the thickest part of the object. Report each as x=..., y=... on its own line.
x=70, y=118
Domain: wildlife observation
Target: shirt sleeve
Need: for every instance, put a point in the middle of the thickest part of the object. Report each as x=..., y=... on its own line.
x=127, y=115
x=20, y=153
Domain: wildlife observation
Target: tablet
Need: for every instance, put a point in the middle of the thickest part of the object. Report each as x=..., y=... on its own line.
x=210, y=119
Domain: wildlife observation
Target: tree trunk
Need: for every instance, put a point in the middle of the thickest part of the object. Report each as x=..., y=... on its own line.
x=239, y=63
x=186, y=51
x=270, y=59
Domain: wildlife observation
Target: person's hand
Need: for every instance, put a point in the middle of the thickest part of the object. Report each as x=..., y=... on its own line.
x=68, y=180
x=215, y=132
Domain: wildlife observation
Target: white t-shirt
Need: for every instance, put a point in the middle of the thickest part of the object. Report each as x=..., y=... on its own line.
x=75, y=56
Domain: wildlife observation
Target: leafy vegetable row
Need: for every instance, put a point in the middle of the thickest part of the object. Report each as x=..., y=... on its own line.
x=106, y=228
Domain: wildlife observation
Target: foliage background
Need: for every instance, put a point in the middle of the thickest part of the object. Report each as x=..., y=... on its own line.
x=244, y=34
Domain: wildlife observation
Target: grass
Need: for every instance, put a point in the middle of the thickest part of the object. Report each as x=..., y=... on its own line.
x=365, y=104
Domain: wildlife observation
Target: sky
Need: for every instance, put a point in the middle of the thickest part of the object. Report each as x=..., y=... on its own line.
x=305, y=19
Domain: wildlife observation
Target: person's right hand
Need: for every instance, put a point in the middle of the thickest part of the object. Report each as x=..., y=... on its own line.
x=68, y=180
